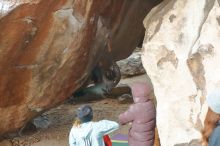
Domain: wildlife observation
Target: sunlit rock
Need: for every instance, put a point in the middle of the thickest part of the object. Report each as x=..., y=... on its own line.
x=181, y=56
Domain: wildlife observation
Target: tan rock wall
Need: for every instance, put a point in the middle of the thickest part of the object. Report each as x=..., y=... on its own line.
x=181, y=56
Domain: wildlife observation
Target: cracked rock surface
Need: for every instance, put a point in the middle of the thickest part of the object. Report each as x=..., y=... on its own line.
x=181, y=56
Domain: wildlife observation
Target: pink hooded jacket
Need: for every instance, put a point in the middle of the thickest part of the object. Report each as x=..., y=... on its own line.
x=142, y=114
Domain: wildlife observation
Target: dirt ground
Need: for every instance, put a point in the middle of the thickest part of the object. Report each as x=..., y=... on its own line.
x=61, y=119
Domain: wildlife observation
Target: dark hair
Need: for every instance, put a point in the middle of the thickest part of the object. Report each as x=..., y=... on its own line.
x=85, y=113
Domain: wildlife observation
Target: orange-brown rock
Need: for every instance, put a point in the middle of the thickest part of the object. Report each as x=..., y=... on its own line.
x=5, y=143
x=49, y=47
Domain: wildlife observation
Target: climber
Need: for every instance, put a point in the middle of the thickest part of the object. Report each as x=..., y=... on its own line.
x=104, y=81
x=142, y=116
x=85, y=132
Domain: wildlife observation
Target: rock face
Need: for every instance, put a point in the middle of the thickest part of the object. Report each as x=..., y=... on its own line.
x=5, y=143
x=132, y=65
x=181, y=56
x=48, y=49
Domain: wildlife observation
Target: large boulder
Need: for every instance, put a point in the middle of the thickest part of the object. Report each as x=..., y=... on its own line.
x=181, y=56
x=48, y=49
x=131, y=66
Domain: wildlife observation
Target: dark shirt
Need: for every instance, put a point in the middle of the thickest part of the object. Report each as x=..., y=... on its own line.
x=214, y=139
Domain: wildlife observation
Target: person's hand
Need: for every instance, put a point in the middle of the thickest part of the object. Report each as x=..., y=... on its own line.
x=122, y=124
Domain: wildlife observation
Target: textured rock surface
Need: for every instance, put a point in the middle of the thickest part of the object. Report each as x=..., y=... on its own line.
x=5, y=143
x=132, y=65
x=181, y=56
x=48, y=49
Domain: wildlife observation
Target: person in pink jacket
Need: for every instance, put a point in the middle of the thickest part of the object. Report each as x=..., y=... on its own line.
x=142, y=115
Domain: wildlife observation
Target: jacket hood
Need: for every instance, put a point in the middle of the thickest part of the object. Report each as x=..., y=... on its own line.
x=140, y=92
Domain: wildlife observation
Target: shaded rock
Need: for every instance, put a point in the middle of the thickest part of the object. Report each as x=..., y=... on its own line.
x=41, y=122
x=181, y=56
x=28, y=129
x=84, y=98
x=49, y=48
x=115, y=93
x=131, y=66
x=125, y=99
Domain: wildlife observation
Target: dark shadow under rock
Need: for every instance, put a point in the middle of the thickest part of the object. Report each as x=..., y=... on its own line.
x=116, y=92
x=120, y=90
x=28, y=129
